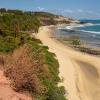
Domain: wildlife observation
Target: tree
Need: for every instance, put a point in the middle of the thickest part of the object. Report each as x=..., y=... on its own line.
x=2, y=10
x=16, y=28
x=19, y=12
x=1, y=32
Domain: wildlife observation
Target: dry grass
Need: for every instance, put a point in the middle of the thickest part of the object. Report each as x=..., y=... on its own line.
x=21, y=72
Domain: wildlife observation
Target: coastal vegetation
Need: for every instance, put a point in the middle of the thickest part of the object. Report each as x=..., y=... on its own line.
x=26, y=62
x=46, y=18
x=16, y=20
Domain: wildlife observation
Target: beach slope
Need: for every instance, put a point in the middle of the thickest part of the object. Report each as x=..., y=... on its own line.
x=80, y=71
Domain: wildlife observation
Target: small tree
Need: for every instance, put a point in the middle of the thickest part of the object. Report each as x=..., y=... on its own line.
x=1, y=33
x=2, y=10
x=16, y=28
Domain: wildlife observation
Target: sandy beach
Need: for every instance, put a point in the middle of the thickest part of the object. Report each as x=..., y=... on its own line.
x=80, y=71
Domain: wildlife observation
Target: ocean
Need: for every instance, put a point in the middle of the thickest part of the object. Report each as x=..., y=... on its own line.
x=89, y=33
x=94, y=27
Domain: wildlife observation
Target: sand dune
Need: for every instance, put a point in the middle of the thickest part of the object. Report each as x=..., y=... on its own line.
x=81, y=72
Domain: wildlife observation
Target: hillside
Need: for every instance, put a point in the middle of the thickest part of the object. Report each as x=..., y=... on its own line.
x=49, y=18
x=25, y=62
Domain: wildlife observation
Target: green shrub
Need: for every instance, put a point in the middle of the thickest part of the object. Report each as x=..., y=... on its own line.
x=48, y=74
x=44, y=68
x=8, y=43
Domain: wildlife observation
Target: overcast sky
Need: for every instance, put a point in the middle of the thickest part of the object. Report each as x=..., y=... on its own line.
x=83, y=9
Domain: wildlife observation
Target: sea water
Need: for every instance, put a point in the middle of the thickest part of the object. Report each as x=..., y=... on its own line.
x=94, y=27
x=89, y=33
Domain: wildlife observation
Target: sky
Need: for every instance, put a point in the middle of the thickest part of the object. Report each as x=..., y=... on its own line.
x=81, y=9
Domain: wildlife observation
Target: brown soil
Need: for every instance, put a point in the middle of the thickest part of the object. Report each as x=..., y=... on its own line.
x=7, y=93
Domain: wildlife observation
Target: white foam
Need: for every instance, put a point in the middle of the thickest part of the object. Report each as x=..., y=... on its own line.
x=71, y=27
x=88, y=24
x=93, y=32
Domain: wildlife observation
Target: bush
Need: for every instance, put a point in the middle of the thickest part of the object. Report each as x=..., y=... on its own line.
x=56, y=93
x=47, y=71
x=8, y=43
x=21, y=72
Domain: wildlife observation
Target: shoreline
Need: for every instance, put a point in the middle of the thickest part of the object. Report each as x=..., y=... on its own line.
x=71, y=26
x=80, y=44
x=71, y=70
x=91, y=39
